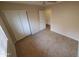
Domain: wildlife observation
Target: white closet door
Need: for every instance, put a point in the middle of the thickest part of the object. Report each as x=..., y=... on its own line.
x=15, y=23
x=33, y=20
x=24, y=22
x=42, y=20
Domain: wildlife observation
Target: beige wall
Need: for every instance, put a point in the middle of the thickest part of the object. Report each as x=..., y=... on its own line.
x=65, y=19
x=47, y=13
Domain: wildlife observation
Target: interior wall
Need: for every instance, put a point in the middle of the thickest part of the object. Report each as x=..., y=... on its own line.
x=65, y=19
x=11, y=51
x=47, y=13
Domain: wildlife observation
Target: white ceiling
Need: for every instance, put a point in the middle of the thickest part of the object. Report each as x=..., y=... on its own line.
x=35, y=2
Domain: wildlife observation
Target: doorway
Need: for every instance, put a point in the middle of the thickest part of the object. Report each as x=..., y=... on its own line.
x=3, y=43
x=47, y=26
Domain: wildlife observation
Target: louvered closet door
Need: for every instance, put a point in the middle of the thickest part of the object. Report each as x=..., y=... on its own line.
x=17, y=23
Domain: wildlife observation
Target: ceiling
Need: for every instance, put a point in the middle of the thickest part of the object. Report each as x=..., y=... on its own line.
x=35, y=2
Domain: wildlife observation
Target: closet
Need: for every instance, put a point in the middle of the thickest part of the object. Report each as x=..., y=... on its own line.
x=23, y=24
x=18, y=21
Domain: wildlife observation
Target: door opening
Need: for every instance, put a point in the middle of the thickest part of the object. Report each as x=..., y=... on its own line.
x=3, y=43
x=47, y=26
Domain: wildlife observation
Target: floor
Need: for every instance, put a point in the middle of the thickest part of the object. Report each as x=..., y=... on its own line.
x=47, y=44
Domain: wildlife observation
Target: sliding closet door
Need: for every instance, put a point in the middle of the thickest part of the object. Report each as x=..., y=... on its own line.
x=18, y=23
x=15, y=24
x=42, y=20
x=33, y=16
x=24, y=22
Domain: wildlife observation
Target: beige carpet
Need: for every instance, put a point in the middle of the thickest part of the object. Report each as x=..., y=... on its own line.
x=47, y=44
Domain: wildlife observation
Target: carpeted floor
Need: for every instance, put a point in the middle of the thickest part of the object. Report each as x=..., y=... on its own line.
x=47, y=44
